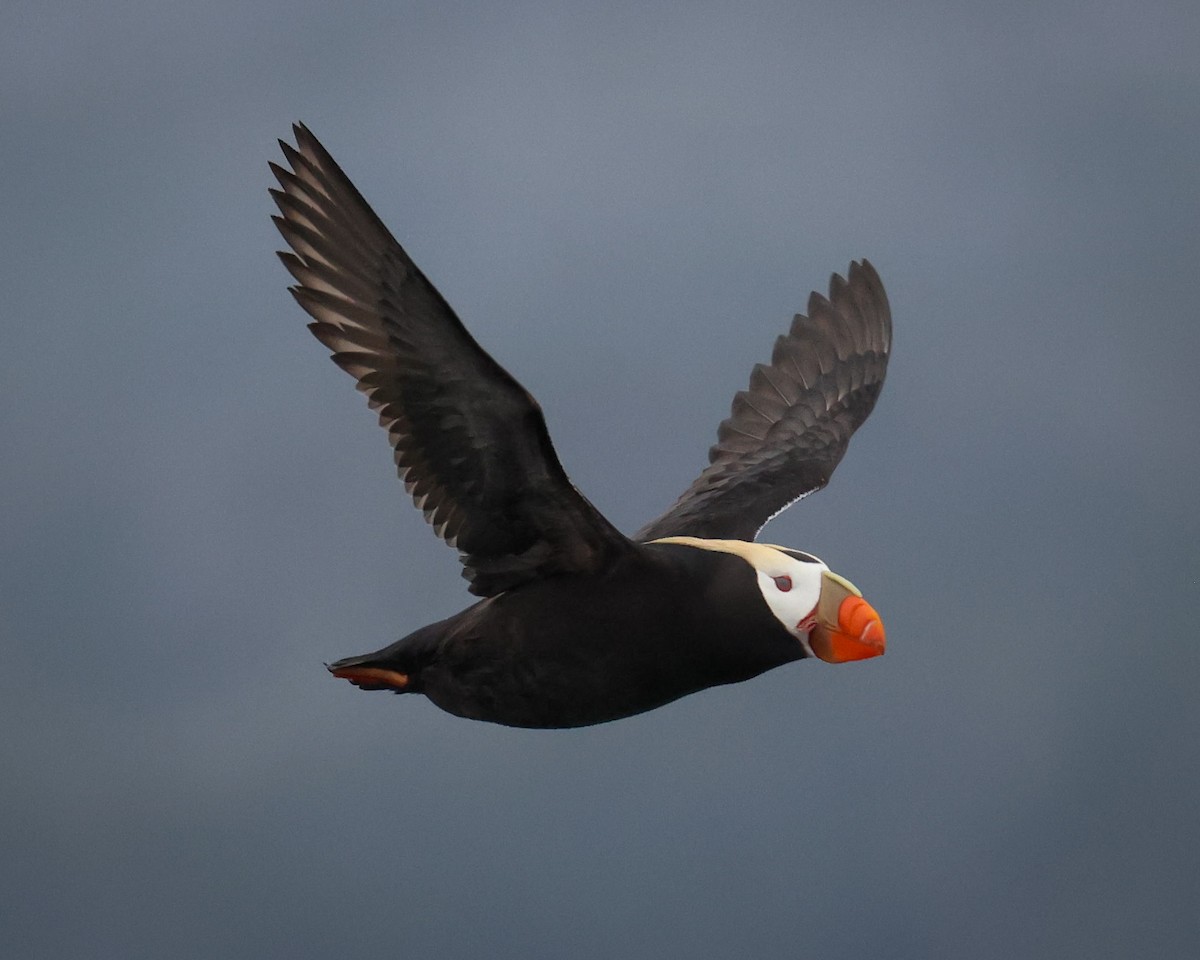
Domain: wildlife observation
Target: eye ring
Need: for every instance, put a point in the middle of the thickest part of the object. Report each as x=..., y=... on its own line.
x=783, y=583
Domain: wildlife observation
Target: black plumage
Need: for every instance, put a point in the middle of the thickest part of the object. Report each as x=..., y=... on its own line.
x=579, y=624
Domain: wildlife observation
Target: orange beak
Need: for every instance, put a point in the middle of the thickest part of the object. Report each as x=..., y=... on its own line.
x=848, y=628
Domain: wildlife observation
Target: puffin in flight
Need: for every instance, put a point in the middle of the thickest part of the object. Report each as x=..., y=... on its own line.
x=577, y=623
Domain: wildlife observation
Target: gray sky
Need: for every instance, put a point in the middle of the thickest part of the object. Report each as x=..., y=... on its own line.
x=625, y=203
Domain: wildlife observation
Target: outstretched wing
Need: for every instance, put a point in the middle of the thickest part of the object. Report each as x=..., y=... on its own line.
x=470, y=443
x=788, y=432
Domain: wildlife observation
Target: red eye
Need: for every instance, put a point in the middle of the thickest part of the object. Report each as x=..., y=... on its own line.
x=784, y=583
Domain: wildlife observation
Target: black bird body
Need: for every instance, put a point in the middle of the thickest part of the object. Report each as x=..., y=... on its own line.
x=580, y=624
x=660, y=623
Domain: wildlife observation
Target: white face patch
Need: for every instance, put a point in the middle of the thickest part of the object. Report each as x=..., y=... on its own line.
x=791, y=587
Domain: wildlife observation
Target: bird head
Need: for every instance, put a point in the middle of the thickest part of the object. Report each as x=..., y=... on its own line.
x=824, y=611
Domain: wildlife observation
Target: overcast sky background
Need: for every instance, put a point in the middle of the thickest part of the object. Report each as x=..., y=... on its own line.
x=625, y=203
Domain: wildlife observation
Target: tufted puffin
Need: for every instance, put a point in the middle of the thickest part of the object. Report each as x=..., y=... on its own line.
x=578, y=624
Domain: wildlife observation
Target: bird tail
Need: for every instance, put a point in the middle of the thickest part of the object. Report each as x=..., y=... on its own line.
x=371, y=672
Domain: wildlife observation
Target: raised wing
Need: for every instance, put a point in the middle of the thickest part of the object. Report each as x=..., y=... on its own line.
x=789, y=431
x=470, y=443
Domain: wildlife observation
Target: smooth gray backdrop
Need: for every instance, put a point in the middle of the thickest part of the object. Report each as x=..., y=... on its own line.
x=625, y=203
